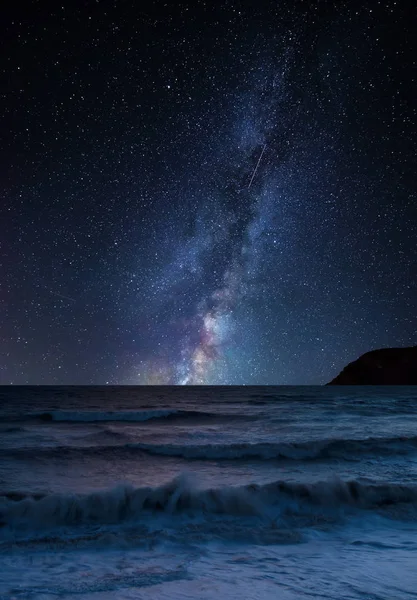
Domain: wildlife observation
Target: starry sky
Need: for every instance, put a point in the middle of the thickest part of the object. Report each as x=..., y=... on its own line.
x=205, y=193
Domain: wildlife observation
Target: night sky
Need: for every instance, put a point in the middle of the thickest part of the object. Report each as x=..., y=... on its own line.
x=205, y=193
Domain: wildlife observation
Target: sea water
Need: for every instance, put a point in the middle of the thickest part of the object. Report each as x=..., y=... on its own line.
x=202, y=493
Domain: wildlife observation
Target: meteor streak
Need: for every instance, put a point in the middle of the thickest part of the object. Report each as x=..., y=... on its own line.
x=62, y=296
x=257, y=165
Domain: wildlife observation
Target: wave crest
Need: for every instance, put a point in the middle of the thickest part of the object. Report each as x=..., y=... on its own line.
x=341, y=449
x=126, y=503
x=95, y=416
x=139, y=416
x=311, y=450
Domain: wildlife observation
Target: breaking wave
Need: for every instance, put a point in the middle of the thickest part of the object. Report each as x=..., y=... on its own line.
x=285, y=500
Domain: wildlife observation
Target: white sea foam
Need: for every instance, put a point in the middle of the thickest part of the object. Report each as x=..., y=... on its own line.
x=126, y=503
x=301, y=535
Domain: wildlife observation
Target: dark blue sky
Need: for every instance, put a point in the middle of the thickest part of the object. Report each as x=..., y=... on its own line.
x=199, y=194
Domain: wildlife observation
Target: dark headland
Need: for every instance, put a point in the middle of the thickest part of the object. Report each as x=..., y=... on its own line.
x=386, y=366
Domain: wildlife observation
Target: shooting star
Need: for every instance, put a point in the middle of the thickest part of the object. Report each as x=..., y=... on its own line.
x=257, y=166
x=62, y=296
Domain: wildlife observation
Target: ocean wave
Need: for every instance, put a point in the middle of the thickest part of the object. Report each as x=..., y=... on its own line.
x=12, y=430
x=311, y=450
x=140, y=416
x=285, y=500
x=341, y=449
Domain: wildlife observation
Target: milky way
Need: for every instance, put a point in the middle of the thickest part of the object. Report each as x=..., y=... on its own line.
x=239, y=171
x=206, y=194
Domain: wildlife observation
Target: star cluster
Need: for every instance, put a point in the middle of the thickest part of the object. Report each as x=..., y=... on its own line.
x=205, y=193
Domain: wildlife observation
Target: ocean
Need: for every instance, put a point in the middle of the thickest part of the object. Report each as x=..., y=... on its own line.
x=208, y=492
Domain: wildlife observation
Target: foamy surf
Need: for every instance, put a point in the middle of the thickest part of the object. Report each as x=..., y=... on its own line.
x=297, y=495
x=126, y=503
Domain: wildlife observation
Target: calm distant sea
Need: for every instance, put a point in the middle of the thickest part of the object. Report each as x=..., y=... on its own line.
x=208, y=492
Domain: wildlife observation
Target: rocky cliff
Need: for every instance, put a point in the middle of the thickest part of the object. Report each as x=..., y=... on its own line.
x=386, y=366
